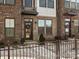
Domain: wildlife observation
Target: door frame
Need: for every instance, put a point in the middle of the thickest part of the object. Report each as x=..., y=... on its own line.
x=28, y=20
x=69, y=28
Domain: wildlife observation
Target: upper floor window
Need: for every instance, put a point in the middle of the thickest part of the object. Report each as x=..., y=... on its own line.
x=77, y=4
x=1, y=1
x=67, y=3
x=7, y=1
x=46, y=3
x=74, y=4
x=27, y=3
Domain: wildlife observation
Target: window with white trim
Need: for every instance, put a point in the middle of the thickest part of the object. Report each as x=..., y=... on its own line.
x=45, y=27
x=9, y=27
x=74, y=4
x=46, y=3
x=77, y=4
x=7, y=1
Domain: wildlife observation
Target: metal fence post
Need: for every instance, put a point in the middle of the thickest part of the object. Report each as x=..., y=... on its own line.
x=8, y=49
x=57, y=49
x=75, y=48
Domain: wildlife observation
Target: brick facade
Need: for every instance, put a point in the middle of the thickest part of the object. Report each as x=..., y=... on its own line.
x=11, y=11
x=63, y=14
x=14, y=11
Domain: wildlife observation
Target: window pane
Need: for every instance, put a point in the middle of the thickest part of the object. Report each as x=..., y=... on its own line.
x=10, y=1
x=48, y=30
x=48, y=23
x=40, y=30
x=41, y=23
x=9, y=23
x=9, y=32
x=77, y=5
x=77, y=1
x=73, y=5
x=1, y=1
x=50, y=3
x=28, y=3
x=42, y=3
x=76, y=22
x=67, y=0
x=67, y=4
x=73, y=0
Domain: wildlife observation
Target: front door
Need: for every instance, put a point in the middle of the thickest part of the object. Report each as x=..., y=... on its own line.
x=28, y=29
x=68, y=27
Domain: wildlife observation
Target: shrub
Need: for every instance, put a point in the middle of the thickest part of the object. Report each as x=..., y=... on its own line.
x=22, y=40
x=2, y=45
x=41, y=39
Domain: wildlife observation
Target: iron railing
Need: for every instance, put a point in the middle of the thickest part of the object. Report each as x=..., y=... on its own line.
x=67, y=49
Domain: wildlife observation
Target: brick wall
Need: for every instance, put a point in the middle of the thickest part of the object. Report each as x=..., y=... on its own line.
x=11, y=11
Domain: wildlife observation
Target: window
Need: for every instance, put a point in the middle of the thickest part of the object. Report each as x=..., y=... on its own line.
x=41, y=25
x=9, y=27
x=50, y=3
x=42, y=3
x=46, y=3
x=67, y=4
x=76, y=25
x=7, y=1
x=77, y=4
x=74, y=4
x=1, y=1
x=48, y=27
x=45, y=27
x=27, y=3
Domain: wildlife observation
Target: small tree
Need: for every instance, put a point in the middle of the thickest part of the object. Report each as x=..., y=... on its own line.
x=41, y=39
x=22, y=40
x=2, y=45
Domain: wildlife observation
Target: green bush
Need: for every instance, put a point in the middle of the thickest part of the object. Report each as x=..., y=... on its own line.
x=41, y=39
x=2, y=45
x=22, y=40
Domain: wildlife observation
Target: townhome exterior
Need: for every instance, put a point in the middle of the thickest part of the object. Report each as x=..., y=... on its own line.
x=10, y=19
x=69, y=17
x=42, y=18
x=27, y=19
x=47, y=13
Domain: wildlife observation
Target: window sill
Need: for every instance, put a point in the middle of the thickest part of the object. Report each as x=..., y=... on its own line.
x=46, y=7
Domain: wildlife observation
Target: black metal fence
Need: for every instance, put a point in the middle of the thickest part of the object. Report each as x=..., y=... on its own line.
x=67, y=49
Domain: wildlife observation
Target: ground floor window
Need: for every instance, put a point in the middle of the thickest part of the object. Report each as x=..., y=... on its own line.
x=76, y=25
x=9, y=27
x=45, y=27
x=72, y=27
